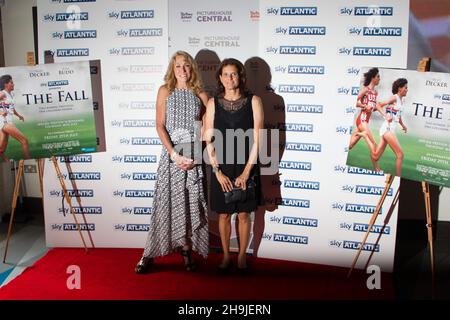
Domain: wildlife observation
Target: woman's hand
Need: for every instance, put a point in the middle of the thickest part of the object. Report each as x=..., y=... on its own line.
x=182, y=162
x=241, y=181
x=405, y=129
x=224, y=181
x=21, y=118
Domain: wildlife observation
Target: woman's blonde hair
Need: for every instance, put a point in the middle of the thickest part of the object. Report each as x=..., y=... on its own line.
x=194, y=82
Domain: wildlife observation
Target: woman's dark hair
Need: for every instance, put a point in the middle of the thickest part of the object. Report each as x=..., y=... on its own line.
x=397, y=84
x=241, y=71
x=369, y=75
x=4, y=80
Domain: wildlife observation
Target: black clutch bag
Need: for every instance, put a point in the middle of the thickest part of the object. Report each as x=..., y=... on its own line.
x=239, y=195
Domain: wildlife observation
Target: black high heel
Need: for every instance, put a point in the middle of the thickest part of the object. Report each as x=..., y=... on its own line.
x=144, y=265
x=189, y=264
x=226, y=268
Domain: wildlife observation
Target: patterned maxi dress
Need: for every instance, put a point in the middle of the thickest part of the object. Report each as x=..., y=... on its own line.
x=179, y=214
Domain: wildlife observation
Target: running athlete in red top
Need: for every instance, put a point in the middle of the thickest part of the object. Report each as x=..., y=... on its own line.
x=395, y=105
x=367, y=101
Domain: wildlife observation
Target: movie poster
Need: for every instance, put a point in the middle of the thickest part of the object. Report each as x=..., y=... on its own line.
x=46, y=110
x=402, y=124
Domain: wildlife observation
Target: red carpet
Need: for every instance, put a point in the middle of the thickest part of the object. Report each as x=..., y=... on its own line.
x=109, y=274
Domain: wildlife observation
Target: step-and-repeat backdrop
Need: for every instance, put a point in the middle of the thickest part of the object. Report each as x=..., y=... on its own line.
x=303, y=58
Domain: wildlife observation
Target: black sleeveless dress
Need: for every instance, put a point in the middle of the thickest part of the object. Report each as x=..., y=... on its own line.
x=241, y=146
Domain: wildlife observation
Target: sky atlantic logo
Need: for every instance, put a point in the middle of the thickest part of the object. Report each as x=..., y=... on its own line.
x=382, y=31
x=58, y=83
x=292, y=11
x=150, y=176
x=301, y=69
x=80, y=34
x=354, y=170
x=348, y=91
x=354, y=71
x=367, y=11
x=371, y=190
x=138, y=123
x=141, y=141
x=298, y=184
x=72, y=52
x=142, y=210
x=139, y=193
x=84, y=176
x=304, y=108
x=354, y=208
x=296, y=88
x=294, y=127
x=362, y=227
x=306, y=30
x=71, y=16
x=132, y=227
x=137, y=210
x=353, y=245
x=297, y=50
x=82, y=210
x=139, y=159
x=296, y=221
x=132, y=14
x=278, y=237
x=289, y=202
x=134, y=193
x=82, y=193
x=294, y=165
x=366, y=51
x=139, y=33
x=306, y=147
x=344, y=130
x=77, y=159
x=76, y=227
x=372, y=51
x=303, y=222
x=138, y=51
x=138, y=227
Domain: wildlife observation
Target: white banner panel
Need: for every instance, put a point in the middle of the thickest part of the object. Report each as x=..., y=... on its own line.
x=130, y=38
x=309, y=52
x=315, y=50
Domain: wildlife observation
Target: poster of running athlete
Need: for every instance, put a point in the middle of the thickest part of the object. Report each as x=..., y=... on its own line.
x=402, y=124
x=46, y=110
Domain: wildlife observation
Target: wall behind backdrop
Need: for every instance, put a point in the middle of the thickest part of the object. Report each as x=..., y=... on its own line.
x=303, y=58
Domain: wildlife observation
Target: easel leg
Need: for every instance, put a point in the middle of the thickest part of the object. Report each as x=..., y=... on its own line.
x=386, y=221
x=78, y=198
x=13, y=206
x=389, y=180
x=429, y=225
x=68, y=199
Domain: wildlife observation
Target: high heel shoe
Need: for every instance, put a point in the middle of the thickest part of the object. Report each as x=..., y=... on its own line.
x=144, y=265
x=189, y=264
x=222, y=269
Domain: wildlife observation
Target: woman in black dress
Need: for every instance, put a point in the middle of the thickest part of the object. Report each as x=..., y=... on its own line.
x=233, y=122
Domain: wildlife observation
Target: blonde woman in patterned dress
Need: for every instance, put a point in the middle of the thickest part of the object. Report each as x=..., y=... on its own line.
x=179, y=217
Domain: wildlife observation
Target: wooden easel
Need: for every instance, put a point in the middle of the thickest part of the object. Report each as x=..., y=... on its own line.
x=424, y=65
x=16, y=194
